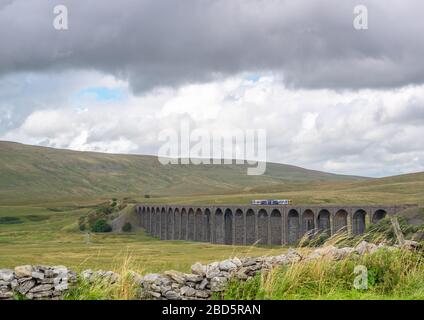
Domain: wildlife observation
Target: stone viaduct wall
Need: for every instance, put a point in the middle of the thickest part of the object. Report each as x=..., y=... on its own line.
x=246, y=225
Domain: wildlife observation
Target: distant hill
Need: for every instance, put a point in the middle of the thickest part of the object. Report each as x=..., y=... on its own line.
x=40, y=173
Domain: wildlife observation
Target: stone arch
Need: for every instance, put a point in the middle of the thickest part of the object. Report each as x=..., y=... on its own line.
x=293, y=226
x=308, y=222
x=239, y=227
x=378, y=215
x=228, y=227
x=198, y=235
x=219, y=226
x=190, y=226
x=358, y=222
x=263, y=226
x=340, y=221
x=183, y=224
x=276, y=227
x=207, y=226
x=324, y=221
x=170, y=225
x=177, y=224
x=250, y=227
x=163, y=224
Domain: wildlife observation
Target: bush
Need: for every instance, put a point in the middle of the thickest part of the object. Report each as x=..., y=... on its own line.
x=101, y=225
x=36, y=218
x=81, y=223
x=384, y=230
x=127, y=227
x=105, y=210
x=10, y=220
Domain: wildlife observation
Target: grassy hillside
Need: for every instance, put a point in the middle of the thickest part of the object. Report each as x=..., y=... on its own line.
x=30, y=173
x=391, y=190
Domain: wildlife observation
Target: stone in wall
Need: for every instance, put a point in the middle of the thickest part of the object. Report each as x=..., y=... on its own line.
x=35, y=282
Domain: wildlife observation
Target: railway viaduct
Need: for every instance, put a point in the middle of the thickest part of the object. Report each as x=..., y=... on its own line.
x=246, y=225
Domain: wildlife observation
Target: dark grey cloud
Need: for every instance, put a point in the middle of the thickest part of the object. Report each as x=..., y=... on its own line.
x=310, y=44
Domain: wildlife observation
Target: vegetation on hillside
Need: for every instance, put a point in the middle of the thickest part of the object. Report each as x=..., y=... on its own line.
x=99, y=218
x=30, y=173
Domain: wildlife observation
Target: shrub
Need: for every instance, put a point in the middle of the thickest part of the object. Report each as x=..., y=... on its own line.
x=101, y=225
x=104, y=210
x=127, y=227
x=36, y=218
x=10, y=220
x=383, y=229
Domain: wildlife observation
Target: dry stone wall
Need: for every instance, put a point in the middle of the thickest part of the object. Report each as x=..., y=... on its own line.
x=44, y=282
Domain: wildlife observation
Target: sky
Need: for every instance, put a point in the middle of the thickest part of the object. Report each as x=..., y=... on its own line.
x=330, y=97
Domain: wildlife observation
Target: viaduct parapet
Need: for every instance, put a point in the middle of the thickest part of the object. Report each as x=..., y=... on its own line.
x=246, y=225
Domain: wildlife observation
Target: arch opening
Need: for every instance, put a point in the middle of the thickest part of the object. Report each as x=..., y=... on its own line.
x=153, y=224
x=250, y=227
x=276, y=227
x=177, y=224
x=163, y=224
x=324, y=222
x=308, y=222
x=358, y=223
x=239, y=227
x=190, y=226
x=170, y=225
x=263, y=226
x=207, y=226
x=198, y=226
x=219, y=226
x=228, y=232
x=183, y=224
x=379, y=215
x=293, y=226
x=149, y=221
x=340, y=221
x=158, y=216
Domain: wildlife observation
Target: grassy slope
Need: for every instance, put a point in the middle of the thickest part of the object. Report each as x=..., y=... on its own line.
x=29, y=173
x=392, y=190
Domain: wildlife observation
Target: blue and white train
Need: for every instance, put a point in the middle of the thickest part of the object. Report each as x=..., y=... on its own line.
x=271, y=202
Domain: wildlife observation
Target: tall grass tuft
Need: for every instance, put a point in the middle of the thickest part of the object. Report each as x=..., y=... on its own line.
x=125, y=288
x=392, y=274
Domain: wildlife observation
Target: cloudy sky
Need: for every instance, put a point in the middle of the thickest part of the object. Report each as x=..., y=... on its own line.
x=330, y=97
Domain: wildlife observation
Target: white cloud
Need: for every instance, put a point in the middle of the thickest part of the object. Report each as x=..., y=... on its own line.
x=367, y=132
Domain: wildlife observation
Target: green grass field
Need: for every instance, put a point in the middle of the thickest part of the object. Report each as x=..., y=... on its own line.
x=48, y=237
